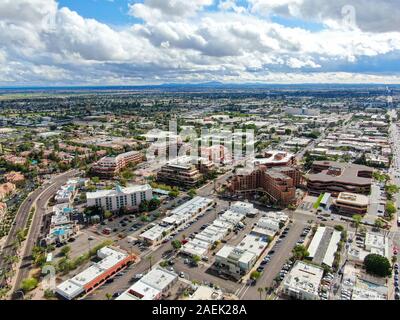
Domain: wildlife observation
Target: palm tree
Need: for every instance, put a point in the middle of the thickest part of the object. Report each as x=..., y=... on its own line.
x=357, y=220
x=150, y=259
x=266, y=289
x=260, y=290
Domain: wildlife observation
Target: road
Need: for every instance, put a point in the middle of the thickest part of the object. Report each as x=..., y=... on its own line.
x=283, y=252
x=38, y=198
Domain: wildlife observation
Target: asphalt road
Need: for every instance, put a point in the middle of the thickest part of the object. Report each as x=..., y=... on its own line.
x=283, y=252
x=39, y=197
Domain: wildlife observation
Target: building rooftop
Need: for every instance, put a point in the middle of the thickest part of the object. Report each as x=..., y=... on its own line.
x=304, y=277
x=342, y=172
x=151, y=286
x=353, y=199
x=118, y=191
x=274, y=157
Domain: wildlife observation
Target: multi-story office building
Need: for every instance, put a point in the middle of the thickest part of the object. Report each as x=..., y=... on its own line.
x=113, y=200
x=184, y=171
x=110, y=166
x=351, y=203
x=336, y=177
x=278, y=183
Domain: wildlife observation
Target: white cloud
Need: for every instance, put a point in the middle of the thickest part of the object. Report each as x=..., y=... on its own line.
x=180, y=41
x=152, y=10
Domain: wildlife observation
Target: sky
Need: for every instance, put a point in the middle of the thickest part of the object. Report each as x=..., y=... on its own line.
x=127, y=42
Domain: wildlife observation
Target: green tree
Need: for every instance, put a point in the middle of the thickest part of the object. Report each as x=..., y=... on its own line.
x=154, y=204
x=255, y=275
x=357, y=220
x=300, y=252
x=107, y=214
x=108, y=296
x=192, y=193
x=339, y=227
x=378, y=223
x=377, y=265
x=176, y=244
x=390, y=209
x=29, y=284
x=65, y=251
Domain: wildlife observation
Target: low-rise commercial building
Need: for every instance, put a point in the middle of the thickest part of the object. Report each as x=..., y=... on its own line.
x=238, y=261
x=152, y=286
x=112, y=261
x=128, y=198
x=181, y=215
x=303, y=281
x=324, y=245
x=270, y=223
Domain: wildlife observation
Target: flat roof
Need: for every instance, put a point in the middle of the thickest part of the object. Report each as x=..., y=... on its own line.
x=353, y=199
x=150, y=286
x=192, y=206
x=349, y=173
x=332, y=248
x=118, y=191
x=274, y=157
x=315, y=242
x=74, y=286
x=155, y=232
x=304, y=277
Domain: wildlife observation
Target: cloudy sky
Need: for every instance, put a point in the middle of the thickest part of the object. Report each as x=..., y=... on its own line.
x=126, y=42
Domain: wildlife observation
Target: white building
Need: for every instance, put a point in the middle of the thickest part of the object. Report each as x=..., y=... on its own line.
x=303, y=281
x=113, y=200
x=216, y=232
x=62, y=227
x=323, y=246
x=188, y=210
x=237, y=261
x=245, y=208
x=67, y=192
x=112, y=262
x=377, y=243
x=155, y=234
x=151, y=286
x=183, y=214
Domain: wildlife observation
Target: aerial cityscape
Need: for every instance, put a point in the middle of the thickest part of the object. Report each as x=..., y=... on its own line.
x=159, y=151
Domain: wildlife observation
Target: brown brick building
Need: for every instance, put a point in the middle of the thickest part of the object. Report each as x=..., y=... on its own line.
x=278, y=183
x=335, y=177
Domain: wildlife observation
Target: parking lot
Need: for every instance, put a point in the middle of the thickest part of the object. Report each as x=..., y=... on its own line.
x=279, y=254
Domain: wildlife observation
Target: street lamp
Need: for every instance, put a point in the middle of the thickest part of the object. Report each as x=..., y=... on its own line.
x=89, y=240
